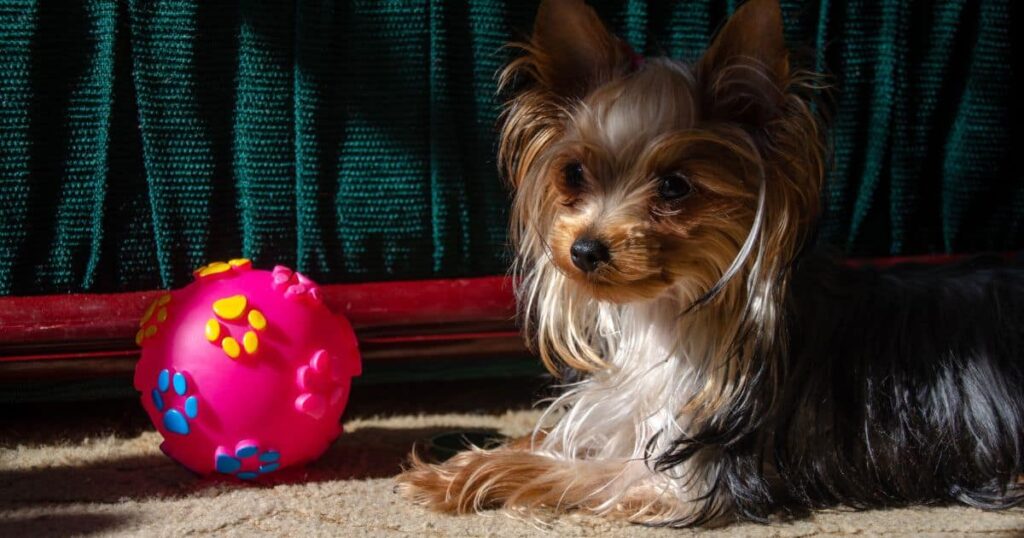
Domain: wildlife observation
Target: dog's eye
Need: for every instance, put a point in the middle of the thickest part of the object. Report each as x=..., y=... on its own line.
x=573, y=175
x=674, y=187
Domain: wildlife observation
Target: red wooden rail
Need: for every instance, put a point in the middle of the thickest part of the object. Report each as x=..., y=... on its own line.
x=48, y=318
x=392, y=319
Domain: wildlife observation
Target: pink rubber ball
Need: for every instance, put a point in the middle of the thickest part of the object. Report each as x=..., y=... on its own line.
x=244, y=372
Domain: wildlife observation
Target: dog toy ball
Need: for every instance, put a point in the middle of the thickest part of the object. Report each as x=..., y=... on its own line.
x=244, y=372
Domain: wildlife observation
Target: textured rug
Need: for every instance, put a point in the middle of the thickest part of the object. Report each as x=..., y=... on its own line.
x=95, y=469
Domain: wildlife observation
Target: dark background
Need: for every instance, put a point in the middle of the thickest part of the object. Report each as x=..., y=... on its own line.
x=355, y=140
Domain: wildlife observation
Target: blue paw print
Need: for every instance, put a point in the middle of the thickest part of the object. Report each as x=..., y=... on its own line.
x=265, y=462
x=175, y=420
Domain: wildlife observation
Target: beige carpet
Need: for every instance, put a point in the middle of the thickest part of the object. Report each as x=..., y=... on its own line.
x=97, y=474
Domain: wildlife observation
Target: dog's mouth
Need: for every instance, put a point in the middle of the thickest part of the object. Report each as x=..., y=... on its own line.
x=609, y=286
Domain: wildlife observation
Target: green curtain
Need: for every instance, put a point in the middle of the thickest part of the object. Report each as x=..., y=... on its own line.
x=355, y=140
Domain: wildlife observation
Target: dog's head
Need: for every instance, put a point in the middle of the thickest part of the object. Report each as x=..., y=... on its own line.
x=636, y=177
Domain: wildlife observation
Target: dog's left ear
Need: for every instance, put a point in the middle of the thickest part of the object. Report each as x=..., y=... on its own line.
x=745, y=71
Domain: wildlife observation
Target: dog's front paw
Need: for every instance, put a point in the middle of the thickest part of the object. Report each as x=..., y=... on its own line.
x=435, y=486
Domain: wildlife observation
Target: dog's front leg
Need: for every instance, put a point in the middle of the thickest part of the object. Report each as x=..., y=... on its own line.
x=517, y=478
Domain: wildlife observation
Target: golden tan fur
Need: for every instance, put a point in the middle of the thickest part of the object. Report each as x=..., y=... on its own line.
x=739, y=128
x=522, y=480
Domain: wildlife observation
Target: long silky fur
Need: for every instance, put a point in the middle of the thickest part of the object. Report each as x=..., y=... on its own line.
x=723, y=385
x=906, y=386
x=767, y=378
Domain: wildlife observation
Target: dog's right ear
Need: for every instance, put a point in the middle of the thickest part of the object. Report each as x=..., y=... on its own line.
x=569, y=54
x=571, y=51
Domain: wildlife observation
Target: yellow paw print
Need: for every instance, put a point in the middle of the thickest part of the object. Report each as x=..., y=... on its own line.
x=234, y=308
x=220, y=268
x=155, y=314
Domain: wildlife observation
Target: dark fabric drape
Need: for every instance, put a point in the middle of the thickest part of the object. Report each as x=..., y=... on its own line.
x=355, y=140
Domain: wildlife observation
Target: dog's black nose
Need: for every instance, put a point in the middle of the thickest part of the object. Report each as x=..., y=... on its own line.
x=588, y=254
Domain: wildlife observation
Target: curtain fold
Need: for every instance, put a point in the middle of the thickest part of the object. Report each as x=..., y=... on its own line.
x=356, y=140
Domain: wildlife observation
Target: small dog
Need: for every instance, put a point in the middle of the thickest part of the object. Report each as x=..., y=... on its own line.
x=721, y=372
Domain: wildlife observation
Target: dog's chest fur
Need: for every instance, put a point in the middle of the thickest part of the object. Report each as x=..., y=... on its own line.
x=616, y=413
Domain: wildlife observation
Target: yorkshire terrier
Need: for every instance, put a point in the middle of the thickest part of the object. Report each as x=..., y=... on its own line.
x=721, y=370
